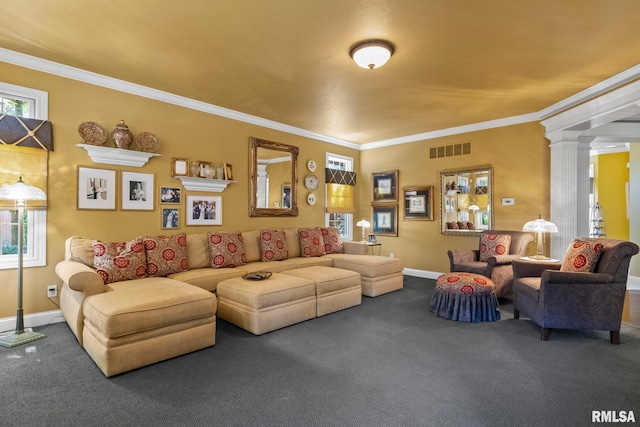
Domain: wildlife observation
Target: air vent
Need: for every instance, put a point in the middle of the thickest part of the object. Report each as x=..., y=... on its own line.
x=460, y=149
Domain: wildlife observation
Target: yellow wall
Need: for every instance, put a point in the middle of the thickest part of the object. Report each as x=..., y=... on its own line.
x=611, y=174
x=520, y=157
x=199, y=136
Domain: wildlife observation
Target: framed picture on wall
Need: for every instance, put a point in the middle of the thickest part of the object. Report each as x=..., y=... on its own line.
x=179, y=167
x=204, y=210
x=96, y=188
x=385, y=219
x=418, y=203
x=170, y=195
x=170, y=218
x=384, y=186
x=137, y=191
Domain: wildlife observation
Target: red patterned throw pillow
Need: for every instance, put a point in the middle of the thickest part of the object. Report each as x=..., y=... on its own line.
x=118, y=261
x=311, y=242
x=226, y=249
x=331, y=240
x=493, y=245
x=273, y=245
x=582, y=256
x=166, y=254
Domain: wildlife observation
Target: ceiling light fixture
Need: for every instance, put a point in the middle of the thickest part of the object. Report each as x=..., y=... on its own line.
x=372, y=53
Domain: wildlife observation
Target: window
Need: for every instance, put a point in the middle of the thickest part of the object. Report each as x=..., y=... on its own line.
x=30, y=103
x=342, y=221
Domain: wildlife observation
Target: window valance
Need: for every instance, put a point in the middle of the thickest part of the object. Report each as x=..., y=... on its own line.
x=23, y=132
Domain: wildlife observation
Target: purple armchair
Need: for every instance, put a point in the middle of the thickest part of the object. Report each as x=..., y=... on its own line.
x=497, y=268
x=571, y=300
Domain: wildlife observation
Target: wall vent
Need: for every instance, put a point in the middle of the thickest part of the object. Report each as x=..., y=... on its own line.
x=459, y=149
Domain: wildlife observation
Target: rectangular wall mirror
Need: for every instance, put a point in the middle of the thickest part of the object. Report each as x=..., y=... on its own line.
x=273, y=180
x=466, y=201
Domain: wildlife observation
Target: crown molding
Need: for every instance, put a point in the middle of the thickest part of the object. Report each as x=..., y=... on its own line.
x=84, y=76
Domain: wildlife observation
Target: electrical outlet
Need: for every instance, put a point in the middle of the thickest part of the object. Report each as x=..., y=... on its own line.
x=391, y=255
x=52, y=291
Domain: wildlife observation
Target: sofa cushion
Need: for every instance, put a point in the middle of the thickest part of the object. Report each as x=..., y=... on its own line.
x=462, y=225
x=226, y=249
x=311, y=243
x=273, y=245
x=166, y=254
x=251, y=240
x=117, y=261
x=331, y=240
x=293, y=242
x=198, y=250
x=79, y=249
x=494, y=244
x=582, y=256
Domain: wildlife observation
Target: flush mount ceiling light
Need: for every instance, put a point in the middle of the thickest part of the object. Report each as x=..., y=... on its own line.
x=372, y=53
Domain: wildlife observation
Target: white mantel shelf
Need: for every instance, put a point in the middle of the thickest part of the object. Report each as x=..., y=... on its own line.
x=117, y=156
x=191, y=183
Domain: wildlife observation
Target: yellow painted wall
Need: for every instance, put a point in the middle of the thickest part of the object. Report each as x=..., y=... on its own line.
x=611, y=174
x=519, y=154
x=182, y=133
x=520, y=157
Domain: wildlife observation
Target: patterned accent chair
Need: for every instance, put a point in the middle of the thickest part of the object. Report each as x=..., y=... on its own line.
x=575, y=300
x=497, y=268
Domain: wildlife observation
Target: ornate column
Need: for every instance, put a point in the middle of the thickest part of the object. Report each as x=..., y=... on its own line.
x=569, y=188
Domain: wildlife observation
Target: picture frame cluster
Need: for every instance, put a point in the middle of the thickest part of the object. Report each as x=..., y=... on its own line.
x=101, y=188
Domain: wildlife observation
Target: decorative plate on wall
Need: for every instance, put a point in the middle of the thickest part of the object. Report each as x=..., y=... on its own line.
x=92, y=133
x=311, y=165
x=311, y=199
x=311, y=182
x=147, y=142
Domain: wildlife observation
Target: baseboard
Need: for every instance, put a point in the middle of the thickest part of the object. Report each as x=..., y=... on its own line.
x=633, y=283
x=421, y=273
x=32, y=320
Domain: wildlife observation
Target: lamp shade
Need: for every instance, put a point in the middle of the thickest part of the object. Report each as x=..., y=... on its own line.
x=20, y=191
x=540, y=226
x=372, y=54
x=363, y=223
x=474, y=208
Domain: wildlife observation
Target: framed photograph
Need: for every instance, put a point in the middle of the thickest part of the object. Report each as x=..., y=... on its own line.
x=228, y=172
x=385, y=219
x=170, y=218
x=286, y=196
x=204, y=210
x=170, y=195
x=202, y=167
x=96, y=188
x=137, y=191
x=418, y=203
x=384, y=186
x=179, y=167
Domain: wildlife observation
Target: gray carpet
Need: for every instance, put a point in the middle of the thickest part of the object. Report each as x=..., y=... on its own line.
x=388, y=362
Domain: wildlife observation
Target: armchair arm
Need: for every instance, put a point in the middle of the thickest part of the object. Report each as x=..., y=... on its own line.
x=504, y=259
x=549, y=276
x=531, y=268
x=80, y=277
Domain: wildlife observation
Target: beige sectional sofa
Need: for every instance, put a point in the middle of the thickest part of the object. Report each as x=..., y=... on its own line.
x=132, y=323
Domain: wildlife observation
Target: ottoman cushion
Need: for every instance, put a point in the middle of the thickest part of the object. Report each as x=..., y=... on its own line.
x=336, y=289
x=466, y=297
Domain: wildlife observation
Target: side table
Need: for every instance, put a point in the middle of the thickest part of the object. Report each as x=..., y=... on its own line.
x=372, y=245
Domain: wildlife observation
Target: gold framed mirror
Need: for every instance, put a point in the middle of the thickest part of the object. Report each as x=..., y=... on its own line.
x=466, y=201
x=272, y=168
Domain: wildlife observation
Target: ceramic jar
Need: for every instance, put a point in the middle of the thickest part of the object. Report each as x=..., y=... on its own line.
x=121, y=135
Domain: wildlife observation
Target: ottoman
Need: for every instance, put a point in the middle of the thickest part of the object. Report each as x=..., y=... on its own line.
x=143, y=321
x=466, y=297
x=378, y=274
x=336, y=289
x=262, y=306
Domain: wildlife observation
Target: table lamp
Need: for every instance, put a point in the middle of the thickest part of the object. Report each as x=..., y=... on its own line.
x=364, y=224
x=540, y=226
x=20, y=193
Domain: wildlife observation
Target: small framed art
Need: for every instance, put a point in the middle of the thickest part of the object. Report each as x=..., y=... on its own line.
x=170, y=195
x=96, y=188
x=228, y=172
x=179, y=167
x=202, y=168
x=170, y=218
x=137, y=191
x=384, y=186
x=418, y=203
x=204, y=210
x=385, y=219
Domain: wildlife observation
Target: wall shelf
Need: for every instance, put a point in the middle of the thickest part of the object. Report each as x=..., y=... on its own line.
x=117, y=156
x=191, y=183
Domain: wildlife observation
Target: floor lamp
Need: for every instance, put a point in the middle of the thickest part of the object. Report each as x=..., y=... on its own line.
x=20, y=193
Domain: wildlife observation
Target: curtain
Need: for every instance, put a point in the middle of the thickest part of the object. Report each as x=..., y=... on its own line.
x=340, y=191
